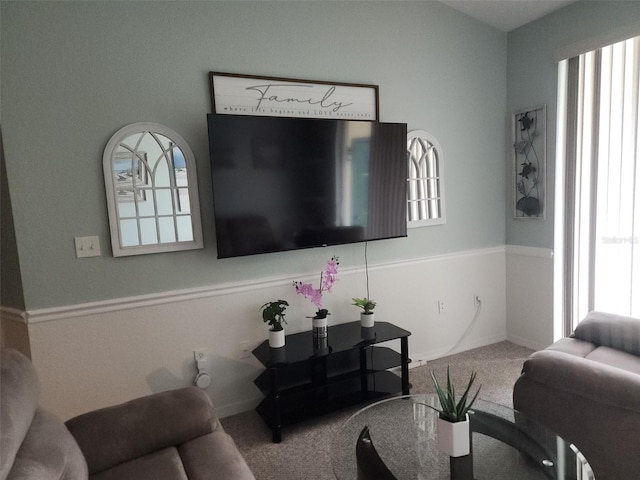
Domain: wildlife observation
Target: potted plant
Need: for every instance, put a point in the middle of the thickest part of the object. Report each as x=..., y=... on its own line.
x=453, y=421
x=367, y=315
x=273, y=315
x=328, y=278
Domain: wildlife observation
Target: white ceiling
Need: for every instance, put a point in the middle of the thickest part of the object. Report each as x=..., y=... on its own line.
x=506, y=14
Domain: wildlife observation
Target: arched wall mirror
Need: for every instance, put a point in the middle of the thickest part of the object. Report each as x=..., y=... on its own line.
x=425, y=189
x=152, y=191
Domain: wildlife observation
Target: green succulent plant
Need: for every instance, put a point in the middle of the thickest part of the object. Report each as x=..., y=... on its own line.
x=273, y=314
x=364, y=303
x=450, y=409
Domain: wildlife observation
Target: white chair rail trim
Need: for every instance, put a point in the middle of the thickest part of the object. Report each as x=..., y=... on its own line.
x=125, y=303
x=13, y=314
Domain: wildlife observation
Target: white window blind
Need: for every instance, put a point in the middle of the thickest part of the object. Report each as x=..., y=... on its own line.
x=602, y=234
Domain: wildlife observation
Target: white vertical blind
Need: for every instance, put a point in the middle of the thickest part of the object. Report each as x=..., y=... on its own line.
x=604, y=234
x=617, y=242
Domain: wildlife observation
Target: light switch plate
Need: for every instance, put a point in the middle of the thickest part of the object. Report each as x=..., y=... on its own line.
x=87, y=247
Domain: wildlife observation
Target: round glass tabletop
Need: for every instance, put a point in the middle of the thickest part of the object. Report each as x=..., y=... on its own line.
x=505, y=444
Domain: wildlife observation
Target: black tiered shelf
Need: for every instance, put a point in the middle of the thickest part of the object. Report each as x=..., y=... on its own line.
x=308, y=377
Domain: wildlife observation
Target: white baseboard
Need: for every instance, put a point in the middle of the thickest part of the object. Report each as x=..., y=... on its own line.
x=525, y=342
x=237, y=407
x=420, y=359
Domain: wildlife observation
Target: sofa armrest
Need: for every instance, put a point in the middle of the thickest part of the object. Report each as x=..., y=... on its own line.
x=120, y=433
x=610, y=330
x=19, y=395
x=582, y=377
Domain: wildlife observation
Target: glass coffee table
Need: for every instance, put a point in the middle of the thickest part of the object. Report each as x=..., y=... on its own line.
x=505, y=444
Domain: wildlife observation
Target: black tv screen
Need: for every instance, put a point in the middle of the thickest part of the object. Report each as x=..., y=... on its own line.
x=288, y=183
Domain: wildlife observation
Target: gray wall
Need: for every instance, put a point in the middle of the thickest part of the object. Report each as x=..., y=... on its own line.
x=75, y=72
x=10, y=279
x=533, y=55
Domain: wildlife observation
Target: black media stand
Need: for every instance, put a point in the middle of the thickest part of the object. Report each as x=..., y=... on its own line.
x=310, y=377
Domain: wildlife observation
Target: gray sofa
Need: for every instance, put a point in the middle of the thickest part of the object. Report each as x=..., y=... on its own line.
x=587, y=389
x=165, y=436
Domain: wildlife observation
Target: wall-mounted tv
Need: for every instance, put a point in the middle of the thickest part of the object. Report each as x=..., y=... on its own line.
x=288, y=183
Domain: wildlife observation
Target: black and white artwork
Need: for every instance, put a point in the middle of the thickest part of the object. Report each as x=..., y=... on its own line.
x=529, y=158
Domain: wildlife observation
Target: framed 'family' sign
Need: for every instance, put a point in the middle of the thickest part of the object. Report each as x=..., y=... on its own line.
x=234, y=94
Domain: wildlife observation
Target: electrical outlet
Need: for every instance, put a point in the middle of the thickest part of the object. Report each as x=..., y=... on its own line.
x=244, y=349
x=440, y=306
x=198, y=354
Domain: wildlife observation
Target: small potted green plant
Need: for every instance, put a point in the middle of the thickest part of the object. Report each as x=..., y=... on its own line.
x=453, y=420
x=273, y=315
x=366, y=316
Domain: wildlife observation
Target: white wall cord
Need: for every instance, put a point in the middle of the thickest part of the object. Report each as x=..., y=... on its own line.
x=464, y=334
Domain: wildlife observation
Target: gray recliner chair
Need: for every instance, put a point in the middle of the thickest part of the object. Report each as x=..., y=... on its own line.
x=586, y=388
x=164, y=436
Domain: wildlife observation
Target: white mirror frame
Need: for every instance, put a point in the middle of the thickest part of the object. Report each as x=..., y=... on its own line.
x=425, y=189
x=120, y=250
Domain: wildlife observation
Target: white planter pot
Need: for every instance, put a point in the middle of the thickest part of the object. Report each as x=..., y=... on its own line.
x=453, y=437
x=319, y=322
x=276, y=338
x=367, y=319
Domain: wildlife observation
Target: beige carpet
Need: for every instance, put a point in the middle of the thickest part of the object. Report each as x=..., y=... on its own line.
x=305, y=450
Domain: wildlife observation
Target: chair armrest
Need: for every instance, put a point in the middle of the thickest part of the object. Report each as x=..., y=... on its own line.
x=120, y=433
x=586, y=378
x=592, y=405
x=610, y=330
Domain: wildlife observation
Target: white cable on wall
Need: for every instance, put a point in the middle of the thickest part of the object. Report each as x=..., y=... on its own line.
x=464, y=334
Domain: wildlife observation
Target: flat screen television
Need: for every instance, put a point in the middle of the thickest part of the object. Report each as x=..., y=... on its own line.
x=289, y=183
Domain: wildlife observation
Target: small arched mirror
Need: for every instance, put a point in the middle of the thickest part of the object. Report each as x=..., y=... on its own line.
x=425, y=188
x=152, y=191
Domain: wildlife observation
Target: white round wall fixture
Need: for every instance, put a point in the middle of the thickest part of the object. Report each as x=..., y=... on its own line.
x=203, y=380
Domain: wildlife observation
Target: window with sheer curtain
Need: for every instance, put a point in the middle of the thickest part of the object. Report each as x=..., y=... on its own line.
x=602, y=183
